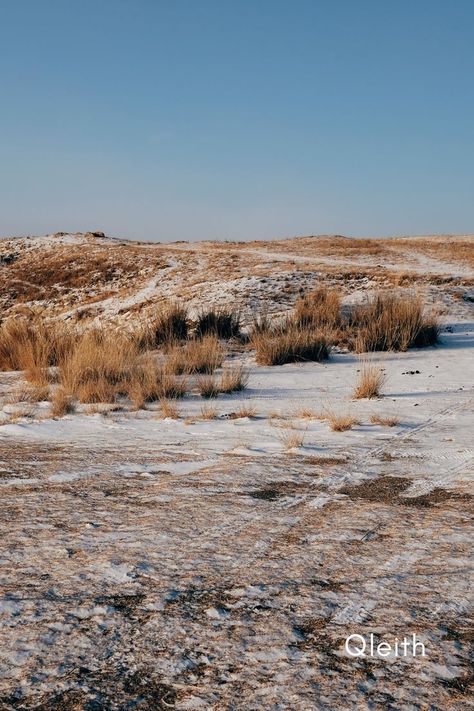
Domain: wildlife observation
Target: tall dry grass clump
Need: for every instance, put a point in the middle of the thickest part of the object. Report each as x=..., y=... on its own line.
x=33, y=345
x=369, y=382
x=100, y=366
x=142, y=382
x=201, y=355
x=169, y=409
x=61, y=403
x=388, y=322
x=103, y=366
x=220, y=322
x=320, y=308
x=290, y=344
x=208, y=386
x=170, y=325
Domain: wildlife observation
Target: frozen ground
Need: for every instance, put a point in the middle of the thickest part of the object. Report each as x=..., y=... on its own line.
x=156, y=564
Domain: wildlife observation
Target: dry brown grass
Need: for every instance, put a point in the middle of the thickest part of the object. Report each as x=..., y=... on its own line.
x=202, y=355
x=100, y=366
x=65, y=269
x=369, y=382
x=321, y=308
x=290, y=344
x=306, y=413
x=30, y=393
x=261, y=323
x=244, y=410
x=384, y=322
x=221, y=322
x=208, y=386
x=169, y=409
x=342, y=421
x=389, y=421
x=208, y=412
x=292, y=439
x=460, y=250
x=388, y=322
x=61, y=403
x=170, y=325
x=172, y=386
x=233, y=379
x=32, y=345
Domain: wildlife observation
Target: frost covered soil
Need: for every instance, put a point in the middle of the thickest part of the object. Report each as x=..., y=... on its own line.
x=190, y=564
x=88, y=277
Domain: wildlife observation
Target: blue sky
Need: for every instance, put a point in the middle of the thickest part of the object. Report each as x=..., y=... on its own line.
x=212, y=119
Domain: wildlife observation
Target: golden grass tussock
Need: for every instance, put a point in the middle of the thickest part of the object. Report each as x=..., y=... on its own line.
x=388, y=322
x=320, y=308
x=234, y=378
x=208, y=386
x=201, y=355
x=61, y=403
x=169, y=409
x=388, y=421
x=342, y=421
x=221, y=322
x=99, y=366
x=172, y=386
x=246, y=409
x=384, y=322
x=289, y=344
x=32, y=345
x=168, y=326
x=370, y=381
x=208, y=412
x=291, y=439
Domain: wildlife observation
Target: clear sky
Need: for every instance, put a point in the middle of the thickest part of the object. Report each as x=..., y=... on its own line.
x=236, y=119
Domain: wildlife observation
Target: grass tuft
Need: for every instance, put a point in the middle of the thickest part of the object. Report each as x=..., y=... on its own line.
x=385, y=421
x=341, y=422
x=202, y=355
x=319, y=309
x=388, y=322
x=170, y=325
x=61, y=403
x=370, y=382
x=233, y=379
x=292, y=439
x=208, y=412
x=289, y=345
x=221, y=322
x=208, y=386
x=169, y=409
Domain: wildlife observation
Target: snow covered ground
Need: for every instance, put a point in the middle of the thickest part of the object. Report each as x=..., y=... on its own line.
x=191, y=563
x=150, y=563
